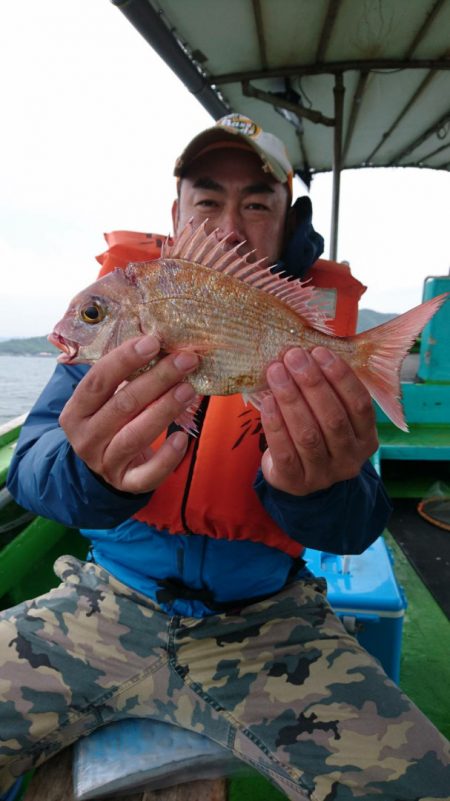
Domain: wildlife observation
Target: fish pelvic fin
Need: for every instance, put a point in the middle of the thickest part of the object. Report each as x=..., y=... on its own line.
x=187, y=419
x=256, y=398
x=386, y=346
x=196, y=245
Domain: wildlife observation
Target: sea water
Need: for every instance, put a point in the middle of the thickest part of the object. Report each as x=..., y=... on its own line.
x=22, y=378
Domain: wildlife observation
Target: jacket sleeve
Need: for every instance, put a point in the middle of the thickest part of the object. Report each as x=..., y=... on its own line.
x=49, y=479
x=343, y=519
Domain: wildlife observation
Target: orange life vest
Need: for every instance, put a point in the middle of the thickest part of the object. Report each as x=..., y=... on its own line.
x=341, y=292
x=211, y=491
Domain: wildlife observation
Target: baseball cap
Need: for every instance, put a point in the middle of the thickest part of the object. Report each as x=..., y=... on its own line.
x=239, y=131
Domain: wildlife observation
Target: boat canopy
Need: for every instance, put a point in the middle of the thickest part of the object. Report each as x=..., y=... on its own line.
x=344, y=83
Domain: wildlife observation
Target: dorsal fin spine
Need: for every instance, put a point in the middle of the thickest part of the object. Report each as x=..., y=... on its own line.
x=244, y=271
x=197, y=238
x=235, y=267
x=202, y=253
x=228, y=261
x=212, y=255
x=209, y=251
x=177, y=249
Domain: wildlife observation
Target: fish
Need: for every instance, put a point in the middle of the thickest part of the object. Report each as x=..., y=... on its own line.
x=236, y=314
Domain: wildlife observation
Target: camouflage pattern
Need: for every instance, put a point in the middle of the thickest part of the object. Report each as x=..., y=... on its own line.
x=281, y=684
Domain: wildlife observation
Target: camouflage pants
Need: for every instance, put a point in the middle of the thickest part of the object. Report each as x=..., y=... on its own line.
x=281, y=684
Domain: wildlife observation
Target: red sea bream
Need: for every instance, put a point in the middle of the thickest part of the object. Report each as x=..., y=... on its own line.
x=236, y=314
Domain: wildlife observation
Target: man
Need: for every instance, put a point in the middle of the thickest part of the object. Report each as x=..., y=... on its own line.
x=195, y=606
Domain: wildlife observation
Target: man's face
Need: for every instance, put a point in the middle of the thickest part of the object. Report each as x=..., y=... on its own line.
x=229, y=188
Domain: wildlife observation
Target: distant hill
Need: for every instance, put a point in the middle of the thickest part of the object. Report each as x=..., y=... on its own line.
x=32, y=346
x=367, y=318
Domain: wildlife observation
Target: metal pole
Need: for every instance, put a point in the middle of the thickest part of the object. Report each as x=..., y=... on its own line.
x=339, y=91
x=150, y=25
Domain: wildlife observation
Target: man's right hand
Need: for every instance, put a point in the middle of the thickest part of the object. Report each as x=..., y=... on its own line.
x=110, y=429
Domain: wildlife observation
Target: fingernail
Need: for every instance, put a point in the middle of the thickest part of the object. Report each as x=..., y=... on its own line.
x=185, y=361
x=147, y=346
x=297, y=359
x=324, y=356
x=184, y=393
x=278, y=375
x=179, y=441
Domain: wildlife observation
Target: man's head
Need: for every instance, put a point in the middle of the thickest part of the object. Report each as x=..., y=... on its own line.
x=240, y=179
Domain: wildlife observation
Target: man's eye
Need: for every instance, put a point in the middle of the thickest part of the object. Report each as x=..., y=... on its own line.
x=257, y=207
x=208, y=202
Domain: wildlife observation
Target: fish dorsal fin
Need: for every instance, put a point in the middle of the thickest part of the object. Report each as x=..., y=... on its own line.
x=195, y=245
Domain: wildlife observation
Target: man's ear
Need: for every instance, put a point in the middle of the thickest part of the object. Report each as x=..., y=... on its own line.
x=175, y=215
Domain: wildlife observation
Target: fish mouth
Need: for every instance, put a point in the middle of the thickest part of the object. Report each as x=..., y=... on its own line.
x=68, y=346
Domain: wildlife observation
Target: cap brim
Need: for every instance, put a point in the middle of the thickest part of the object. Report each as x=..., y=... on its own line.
x=218, y=135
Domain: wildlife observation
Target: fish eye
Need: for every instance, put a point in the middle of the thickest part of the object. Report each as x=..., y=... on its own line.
x=93, y=313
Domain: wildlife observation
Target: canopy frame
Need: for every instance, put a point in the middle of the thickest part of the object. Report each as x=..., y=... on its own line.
x=153, y=19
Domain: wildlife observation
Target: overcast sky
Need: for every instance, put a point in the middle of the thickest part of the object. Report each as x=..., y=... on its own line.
x=92, y=121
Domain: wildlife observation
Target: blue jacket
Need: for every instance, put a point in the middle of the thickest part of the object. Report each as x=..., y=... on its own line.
x=48, y=478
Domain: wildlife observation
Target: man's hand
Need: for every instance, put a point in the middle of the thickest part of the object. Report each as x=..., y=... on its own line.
x=319, y=422
x=111, y=428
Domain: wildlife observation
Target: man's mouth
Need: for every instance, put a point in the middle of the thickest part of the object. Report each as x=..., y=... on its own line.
x=69, y=348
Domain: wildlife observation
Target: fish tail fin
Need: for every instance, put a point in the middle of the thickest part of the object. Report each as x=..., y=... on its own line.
x=386, y=347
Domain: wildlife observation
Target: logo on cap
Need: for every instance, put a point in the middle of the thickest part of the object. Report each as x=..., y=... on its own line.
x=239, y=124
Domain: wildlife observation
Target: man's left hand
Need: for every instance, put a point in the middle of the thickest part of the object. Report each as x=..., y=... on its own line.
x=319, y=422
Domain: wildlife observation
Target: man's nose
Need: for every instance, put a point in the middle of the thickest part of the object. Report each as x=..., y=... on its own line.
x=231, y=227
